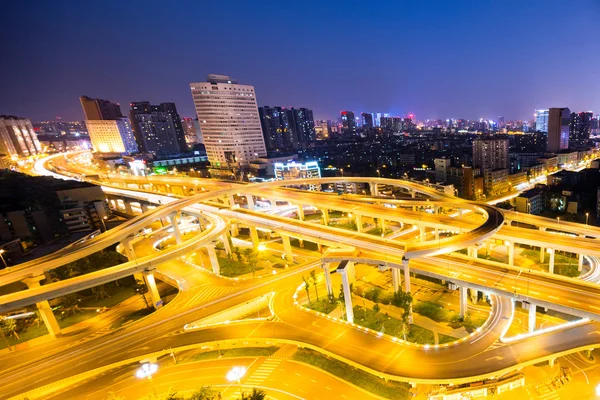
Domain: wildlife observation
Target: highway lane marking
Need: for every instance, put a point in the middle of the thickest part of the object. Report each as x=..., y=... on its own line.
x=328, y=388
x=536, y=293
x=573, y=302
x=499, y=358
x=313, y=381
x=553, y=297
x=595, y=308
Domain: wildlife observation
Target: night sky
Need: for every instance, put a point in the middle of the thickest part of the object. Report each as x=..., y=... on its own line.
x=437, y=59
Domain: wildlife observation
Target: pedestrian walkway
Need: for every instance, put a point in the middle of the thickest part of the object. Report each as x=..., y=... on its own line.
x=260, y=375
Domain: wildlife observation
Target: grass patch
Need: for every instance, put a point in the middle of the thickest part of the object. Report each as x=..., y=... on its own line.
x=360, y=378
x=445, y=338
x=391, y=326
x=323, y=305
x=377, y=231
x=431, y=310
x=349, y=226
x=232, y=268
x=237, y=352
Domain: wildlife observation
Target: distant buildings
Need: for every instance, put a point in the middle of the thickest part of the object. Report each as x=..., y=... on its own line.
x=530, y=202
x=294, y=170
x=229, y=121
x=287, y=129
x=17, y=137
x=558, y=129
x=189, y=129
x=348, y=124
x=541, y=120
x=109, y=131
x=367, y=120
x=442, y=167
x=157, y=128
x=580, y=128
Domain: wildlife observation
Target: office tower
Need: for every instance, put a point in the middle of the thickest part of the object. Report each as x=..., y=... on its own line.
x=229, y=120
x=154, y=129
x=109, y=131
x=367, y=120
x=348, y=124
x=98, y=109
x=501, y=123
x=189, y=129
x=276, y=129
x=302, y=124
x=580, y=128
x=490, y=154
x=17, y=137
x=558, y=129
x=377, y=120
x=179, y=133
x=541, y=120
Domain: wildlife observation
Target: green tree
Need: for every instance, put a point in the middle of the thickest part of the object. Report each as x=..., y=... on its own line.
x=10, y=328
x=252, y=259
x=99, y=292
x=376, y=294
x=238, y=253
x=403, y=300
x=204, y=393
x=142, y=289
x=376, y=308
x=307, y=288
x=256, y=394
x=313, y=278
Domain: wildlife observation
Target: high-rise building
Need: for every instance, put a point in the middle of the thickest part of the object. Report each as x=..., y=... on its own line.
x=541, y=120
x=442, y=166
x=303, y=125
x=580, y=128
x=490, y=154
x=228, y=116
x=189, y=129
x=154, y=129
x=109, y=131
x=179, y=133
x=98, y=109
x=348, y=124
x=367, y=120
x=558, y=129
x=17, y=137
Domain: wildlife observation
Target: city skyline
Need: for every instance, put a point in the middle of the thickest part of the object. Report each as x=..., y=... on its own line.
x=433, y=77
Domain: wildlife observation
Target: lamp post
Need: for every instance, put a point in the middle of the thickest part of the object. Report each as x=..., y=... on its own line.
x=558, y=220
x=587, y=216
x=104, y=222
x=378, y=174
x=342, y=170
x=2, y=257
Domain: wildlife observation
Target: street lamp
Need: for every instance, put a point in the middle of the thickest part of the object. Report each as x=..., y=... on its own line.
x=378, y=174
x=146, y=371
x=2, y=257
x=587, y=216
x=104, y=222
x=558, y=220
x=342, y=170
x=235, y=374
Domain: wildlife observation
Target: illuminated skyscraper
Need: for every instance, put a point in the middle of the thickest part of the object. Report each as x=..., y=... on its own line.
x=490, y=154
x=109, y=131
x=558, y=129
x=17, y=137
x=155, y=129
x=367, y=120
x=580, y=128
x=541, y=120
x=348, y=124
x=228, y=116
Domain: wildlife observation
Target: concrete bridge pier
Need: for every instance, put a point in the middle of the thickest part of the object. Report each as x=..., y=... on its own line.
x=511, y=253
x=226, y=239
x=325, y=214
x=175, y=224
x=287, y=248
x=551, y=261
x=152, y=289
x=462, y=292
x=373, y=189
x=347, y=271
x=250, y=201
x=396, y=279
x=579, y=262
x=532, y=317
x=422, y=233
x=254, y=237
x=128, y=209
x=327, y=271
x=214, y=260
x=359, y=224
x=300, y=212
x=44, y=308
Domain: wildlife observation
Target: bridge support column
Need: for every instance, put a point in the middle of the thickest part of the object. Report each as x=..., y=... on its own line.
x=396, y=279
x=579, y=262
x=473, y=293
x=113, y=204
x=226, y=239
x=542, y=254
x=152, y=289
x=287, y=248
x=472, y=252
x=373, y=188
x=214, y=260
x=381, y=223
x=511, y=254
x=406, y=269
x=44, y=308
x=175, y=224
x=327, y=272
x=144, y=207
x=437, y=234
x=532, y=316
x=422, y=233
x=234, y=230
x=250, y=201
x=359, y=224
x=551, y=261
x=347, y=296
x=462, y=293
x=231, y=200
x=300, y=212
x=254, y=237
x=325, y=214
x=128, y=209
x=551, y=362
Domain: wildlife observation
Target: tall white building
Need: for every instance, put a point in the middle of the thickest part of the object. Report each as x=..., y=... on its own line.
x=541, y=120
x=112, y=136
x=17, y=137
x=229, y=121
